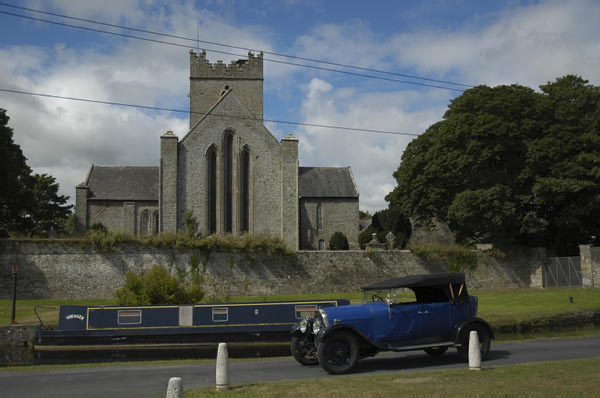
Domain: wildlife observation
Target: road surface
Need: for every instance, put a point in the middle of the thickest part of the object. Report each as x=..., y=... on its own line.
x=151, y=381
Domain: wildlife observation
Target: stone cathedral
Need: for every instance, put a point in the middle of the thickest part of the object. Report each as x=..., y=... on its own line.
x=228, y=170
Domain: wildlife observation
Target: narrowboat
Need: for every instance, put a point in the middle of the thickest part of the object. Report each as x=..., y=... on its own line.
x=179, y=324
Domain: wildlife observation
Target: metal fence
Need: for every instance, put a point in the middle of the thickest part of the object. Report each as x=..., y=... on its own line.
x=562, y=272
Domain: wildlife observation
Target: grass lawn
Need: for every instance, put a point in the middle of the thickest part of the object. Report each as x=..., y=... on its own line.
x=544, y=379
x=25, y=315
x=496, y=306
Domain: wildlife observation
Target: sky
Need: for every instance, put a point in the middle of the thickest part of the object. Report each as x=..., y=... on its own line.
x=467, y=42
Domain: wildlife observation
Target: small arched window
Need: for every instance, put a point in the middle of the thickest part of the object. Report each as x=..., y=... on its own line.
x=319, y=216
x=144, y=223
x=321, y=244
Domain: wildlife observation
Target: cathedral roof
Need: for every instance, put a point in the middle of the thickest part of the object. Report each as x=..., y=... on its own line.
x=326, y=182
x=123, y=183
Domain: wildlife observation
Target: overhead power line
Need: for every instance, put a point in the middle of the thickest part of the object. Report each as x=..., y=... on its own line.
x=214, y=43
x=230, y=53
x=156, y=108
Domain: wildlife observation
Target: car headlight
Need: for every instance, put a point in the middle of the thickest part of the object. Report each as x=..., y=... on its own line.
x=303, y=324
x=316, y=326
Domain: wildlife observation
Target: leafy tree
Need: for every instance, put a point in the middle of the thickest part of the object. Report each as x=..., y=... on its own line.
x=364, y=214
x=14, y=177
x=338, y=241
x=365, y=236
x=508, y=164
x=29, y=204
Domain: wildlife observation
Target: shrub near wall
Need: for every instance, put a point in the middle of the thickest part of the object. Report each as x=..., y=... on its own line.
x=68, y=269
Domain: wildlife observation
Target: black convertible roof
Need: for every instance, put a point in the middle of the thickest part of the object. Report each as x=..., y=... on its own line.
x=418, y=281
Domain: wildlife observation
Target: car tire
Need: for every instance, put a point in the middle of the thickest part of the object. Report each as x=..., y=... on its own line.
x=436, y=351
x=303, y=350
x=338, y=352
x=484, y=341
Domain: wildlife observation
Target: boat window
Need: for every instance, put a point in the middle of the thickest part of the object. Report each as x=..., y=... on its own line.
x=302, y=311
x=129, y=317
x=220, y=314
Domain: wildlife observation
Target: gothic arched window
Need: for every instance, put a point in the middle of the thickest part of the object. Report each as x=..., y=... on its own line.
x=245, y=190
x=211, y=184
x=321, y=244
x=228, y=174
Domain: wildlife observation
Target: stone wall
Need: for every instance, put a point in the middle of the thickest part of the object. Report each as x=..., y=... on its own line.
x=339, y=215
x=68, y=270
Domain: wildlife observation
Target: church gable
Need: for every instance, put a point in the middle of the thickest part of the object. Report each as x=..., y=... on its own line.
x=222, y=159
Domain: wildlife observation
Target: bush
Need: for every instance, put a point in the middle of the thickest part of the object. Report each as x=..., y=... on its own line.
x=365, y=236
x=191, y=224
x=158, y=286
x=99, y=227
x=338, y=241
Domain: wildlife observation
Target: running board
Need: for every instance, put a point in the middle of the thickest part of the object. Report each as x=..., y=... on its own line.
x=422, y=346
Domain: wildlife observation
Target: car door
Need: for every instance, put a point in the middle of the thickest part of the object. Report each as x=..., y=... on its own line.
x=406, y=322
x=436, y=321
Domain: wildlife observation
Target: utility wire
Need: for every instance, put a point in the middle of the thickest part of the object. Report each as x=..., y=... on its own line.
x=156, y=108
x=197, y=40
x=230, y=53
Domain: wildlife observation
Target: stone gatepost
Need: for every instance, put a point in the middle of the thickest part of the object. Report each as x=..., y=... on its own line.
x=536, y=270
x=587, y=275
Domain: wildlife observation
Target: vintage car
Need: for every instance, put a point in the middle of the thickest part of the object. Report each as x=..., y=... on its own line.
x=430, y=312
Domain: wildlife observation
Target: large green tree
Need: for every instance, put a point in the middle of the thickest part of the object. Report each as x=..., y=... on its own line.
x=29, y=204
x=509, y=164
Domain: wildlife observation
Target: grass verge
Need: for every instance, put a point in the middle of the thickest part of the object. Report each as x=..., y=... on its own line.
x=518, y=307
x=544, y=379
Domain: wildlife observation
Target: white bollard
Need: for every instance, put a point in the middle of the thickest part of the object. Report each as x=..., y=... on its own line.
x=175, y=388
x=222, y=368
x=474, y=351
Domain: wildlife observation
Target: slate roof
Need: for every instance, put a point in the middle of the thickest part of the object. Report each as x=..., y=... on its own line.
x=123, y=183
x=326, y=182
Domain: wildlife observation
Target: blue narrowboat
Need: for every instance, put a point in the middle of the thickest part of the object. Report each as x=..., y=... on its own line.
x=179, y=324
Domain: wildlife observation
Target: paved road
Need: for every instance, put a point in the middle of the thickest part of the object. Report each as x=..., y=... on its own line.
x=151, y=381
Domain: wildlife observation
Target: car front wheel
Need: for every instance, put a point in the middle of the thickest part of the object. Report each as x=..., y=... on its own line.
x=484, y=341
x=338, y=353
x=303, y=350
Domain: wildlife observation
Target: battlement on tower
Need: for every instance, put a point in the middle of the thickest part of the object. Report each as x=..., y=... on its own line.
x=251, y=68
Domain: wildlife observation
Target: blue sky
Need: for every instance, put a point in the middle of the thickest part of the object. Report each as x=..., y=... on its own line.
x=471, y=42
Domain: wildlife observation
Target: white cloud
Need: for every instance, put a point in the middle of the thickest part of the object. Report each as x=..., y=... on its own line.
x=528, y=45
x=373, y=157
x=63, y=137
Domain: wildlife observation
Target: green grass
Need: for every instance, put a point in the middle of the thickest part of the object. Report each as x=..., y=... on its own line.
x=545, y=379
x=25, y=315
x=498, y=307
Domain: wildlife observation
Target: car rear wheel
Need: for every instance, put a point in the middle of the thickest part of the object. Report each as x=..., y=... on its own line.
x=338, y=353
x=303, y=350
x=484, y=341
x=436, y=351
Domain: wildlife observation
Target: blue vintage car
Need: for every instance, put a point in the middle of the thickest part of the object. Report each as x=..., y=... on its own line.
x=440, y=314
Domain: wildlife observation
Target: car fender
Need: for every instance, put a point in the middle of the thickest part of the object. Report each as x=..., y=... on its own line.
x=458, y=329
x=334, y=328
